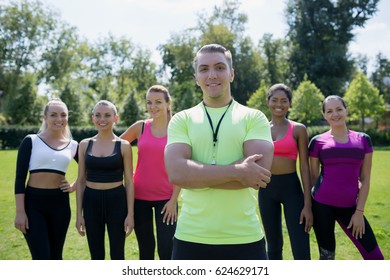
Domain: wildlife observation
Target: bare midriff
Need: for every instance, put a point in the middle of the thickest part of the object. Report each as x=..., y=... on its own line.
x=103, y=186
x=45, y=180
x=283, y=165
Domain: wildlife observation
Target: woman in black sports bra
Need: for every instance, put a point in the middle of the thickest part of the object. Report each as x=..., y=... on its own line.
x=105, y=194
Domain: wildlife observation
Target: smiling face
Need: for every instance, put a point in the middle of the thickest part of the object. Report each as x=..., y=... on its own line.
x=279, y=103
x=335, y=112
x=104, y=117
x=56, y=116
x=213, y=74
x=157, y=105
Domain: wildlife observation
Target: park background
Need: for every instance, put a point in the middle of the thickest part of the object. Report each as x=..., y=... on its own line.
x=42, y=56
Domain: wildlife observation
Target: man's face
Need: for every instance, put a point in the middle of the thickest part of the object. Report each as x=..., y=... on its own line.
x=213, y=75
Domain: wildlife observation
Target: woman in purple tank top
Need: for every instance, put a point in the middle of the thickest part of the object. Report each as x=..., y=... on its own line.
x=340, y=167
x=155, y=197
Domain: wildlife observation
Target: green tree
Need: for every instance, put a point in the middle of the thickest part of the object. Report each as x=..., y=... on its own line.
x=177, y=57
x=363, y=100
x=306, y=103
x=24, y=101
x=26, y=28
x=131, y=112
x=275, y=59
x=101, y=70
x=258, y=100
x=225, y=26
x=142, y=74
x=63, y=55
x=72, y=101
x=320, y=32
x=116, y=68
x=380, y=74
x=361, y=63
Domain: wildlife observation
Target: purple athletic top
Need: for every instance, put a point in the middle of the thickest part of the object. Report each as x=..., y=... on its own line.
x=341, y=163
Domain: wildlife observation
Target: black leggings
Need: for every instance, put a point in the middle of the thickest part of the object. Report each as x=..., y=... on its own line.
x=183, y=250
x=101, y=208
x=325, y=217
x=143, y=227
x=48, y=213
x=284, y=189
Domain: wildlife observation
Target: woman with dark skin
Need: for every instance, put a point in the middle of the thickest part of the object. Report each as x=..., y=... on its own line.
x=290, y=140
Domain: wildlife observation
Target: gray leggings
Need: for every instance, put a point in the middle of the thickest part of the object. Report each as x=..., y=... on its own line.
x=284, y=190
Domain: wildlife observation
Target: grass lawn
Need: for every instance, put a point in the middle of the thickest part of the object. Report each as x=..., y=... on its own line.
x=14, y=247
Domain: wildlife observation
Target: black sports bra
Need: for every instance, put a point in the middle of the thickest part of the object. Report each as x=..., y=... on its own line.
x=104, y=169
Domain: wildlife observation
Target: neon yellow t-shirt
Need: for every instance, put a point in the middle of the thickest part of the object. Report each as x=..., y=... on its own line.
x=217, y=216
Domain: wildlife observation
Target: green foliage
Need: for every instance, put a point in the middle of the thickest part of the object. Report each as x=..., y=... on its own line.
x=131, y=112
x=258, y=100
x=314, y=130
x=247, y=71
x=379, y=137
x=381, y=72
x=177, y=56
x=363, y=100
x=12, y=136
x=143, y=72
x=25, y=31
x=275, y=59
x=37, y=48
x=40, y=51
x=184, y=95
x=320, y=32
x=306, y=103
x=72, y=101
x=22, y=107
x=62, y=57
x=225, y=26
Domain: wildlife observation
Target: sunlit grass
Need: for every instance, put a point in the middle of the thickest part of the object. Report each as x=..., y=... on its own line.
x=14, y=247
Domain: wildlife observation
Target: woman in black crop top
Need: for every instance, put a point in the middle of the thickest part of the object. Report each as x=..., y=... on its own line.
x=42, y=208
x=105, y=193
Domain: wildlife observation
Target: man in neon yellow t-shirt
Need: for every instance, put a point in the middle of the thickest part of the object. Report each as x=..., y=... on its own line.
x=220, y=152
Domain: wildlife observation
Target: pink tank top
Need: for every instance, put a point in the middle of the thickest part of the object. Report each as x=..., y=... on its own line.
x=150, y=177
x=287, y=147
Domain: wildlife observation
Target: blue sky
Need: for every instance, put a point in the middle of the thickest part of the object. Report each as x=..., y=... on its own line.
x=151, y=22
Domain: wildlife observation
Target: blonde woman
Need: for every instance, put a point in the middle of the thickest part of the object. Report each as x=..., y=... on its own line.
x=42, y=206
x=105, y=193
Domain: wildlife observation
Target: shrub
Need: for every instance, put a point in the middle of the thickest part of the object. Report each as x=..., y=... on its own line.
x=11, y=136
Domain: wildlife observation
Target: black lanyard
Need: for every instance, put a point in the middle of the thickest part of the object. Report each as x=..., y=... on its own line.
x=215, y=133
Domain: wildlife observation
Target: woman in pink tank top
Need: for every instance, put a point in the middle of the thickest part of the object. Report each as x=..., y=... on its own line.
x=153, y=192
x=290, y=140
